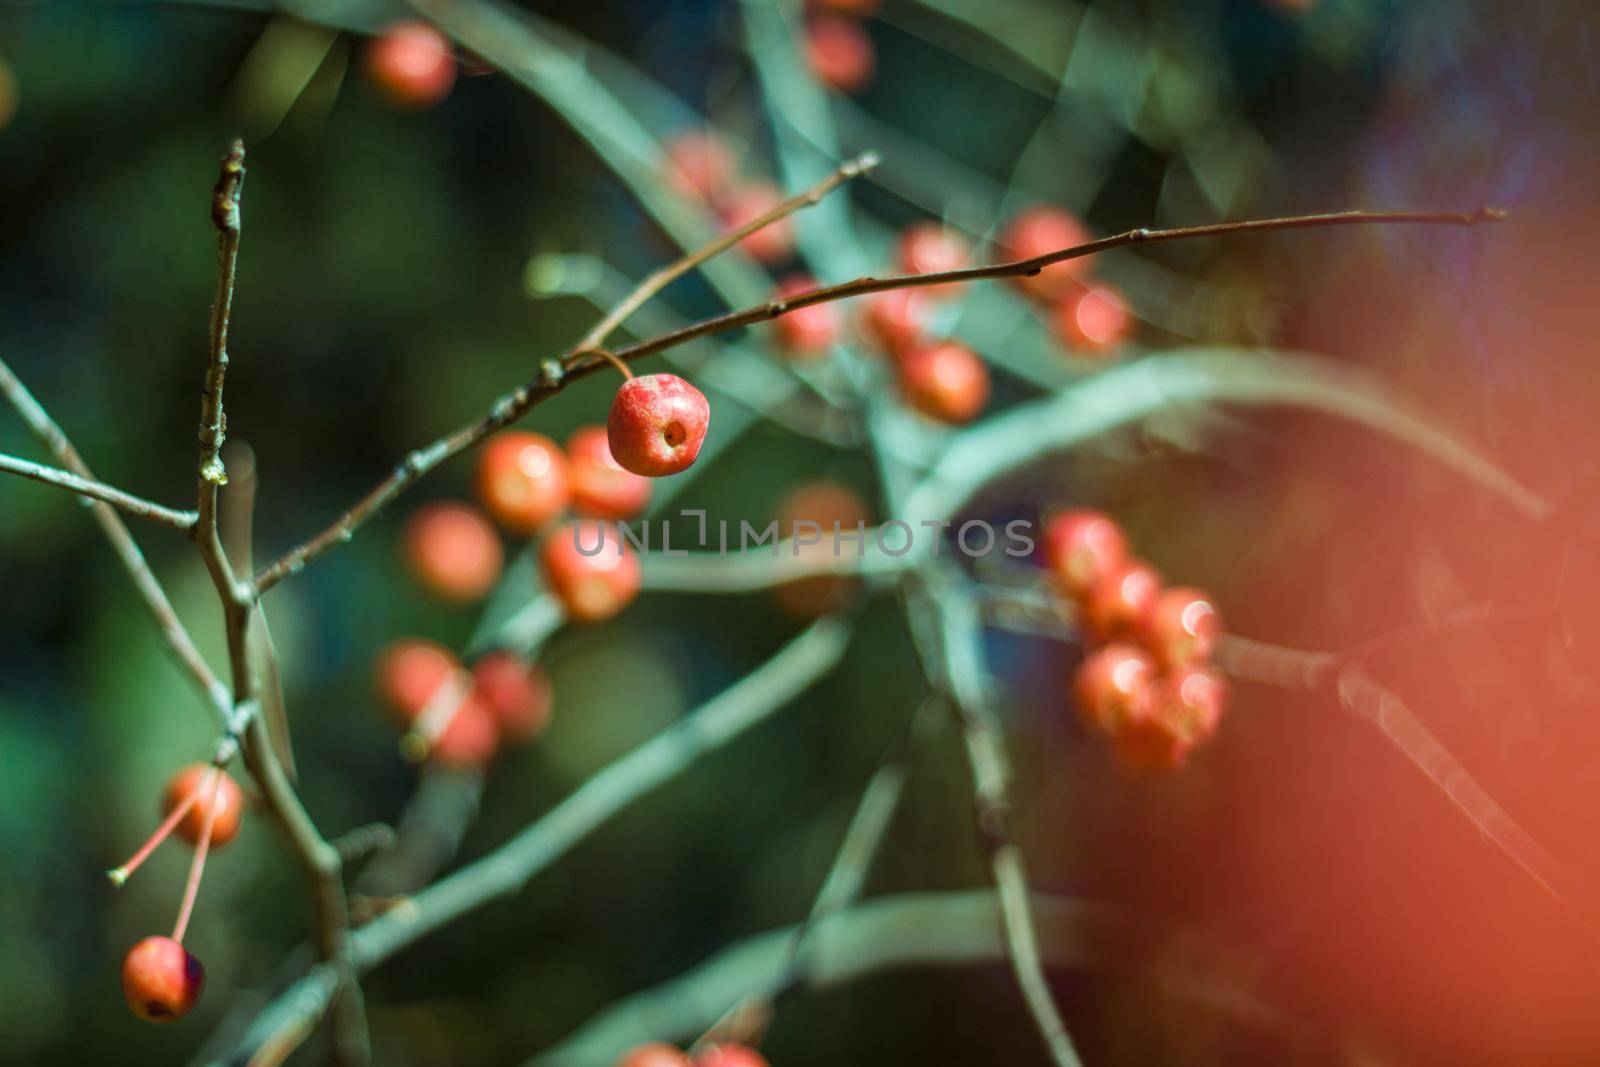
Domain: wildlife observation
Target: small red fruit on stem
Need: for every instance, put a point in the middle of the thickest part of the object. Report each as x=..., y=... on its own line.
x=1039, y=231
x=600, y=487
x=774, y=242
x=591, y=570
x=700, y=164
x=1119, y=601
x=516, y=692
x=946, y=381
x=453, y=551
x=1081, y=546
x=411, y=65
x=204, y=793
x=807, y=332
x=1181, y=627
x=896, y=320
x=840, y=53
x=1179, y=712
x=523, y=480
x=469, y=737
x=1111, y=685
x=929, y=248
x=410, y=671
x=161, y=980
x=1092, y=320
x=657, y=424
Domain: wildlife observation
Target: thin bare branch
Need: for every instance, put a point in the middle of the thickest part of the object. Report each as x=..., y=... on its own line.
x=87, y=487
x=664, y=277
x=174, y=637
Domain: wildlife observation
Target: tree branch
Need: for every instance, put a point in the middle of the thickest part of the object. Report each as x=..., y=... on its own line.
x=174, y=637
x=139, y=507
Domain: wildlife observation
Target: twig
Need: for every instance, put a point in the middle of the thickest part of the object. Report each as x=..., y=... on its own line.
x=137, y=506
x=1026, y=267
x=962, y=672
x=174, y=637
x=647, y=289
x=914, y=930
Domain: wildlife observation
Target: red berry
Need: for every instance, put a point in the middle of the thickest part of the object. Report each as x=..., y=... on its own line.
x=730, y=1056
x=945, y=381
x=1080, y=546
x=1111, y=685
x=471, y=736
x=840, y=53
x=516, y=692
x=1092, y=319
x=824, y=503
x=591, y=570
x=224, y=796
x=523, y=480
x=896, y=320
x=454, y=551
x=809, y=331
x=1034, y=233
x=770, y=244
x=700, y=164
x=1119, y=601
x=1179, y=712
x=410, y=671
x=657, y=424
x=600, y=487
x=161, y=980
x=411, y=65
x=654, y=1054
x=929, y=248
x=1181, y=627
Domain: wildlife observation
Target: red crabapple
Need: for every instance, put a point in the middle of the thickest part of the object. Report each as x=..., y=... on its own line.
x=1111, y=685
x=731, y=1055
x=221, y=794
x=1040, y=230
x=1082, y=545
x=840, y=53
x=806, y=332
x=1181, y=627
x=516, y=692
x=411, y=65
x=1180, y=711
x=896, y=320
x=824, y=503
x=654, y=1054
x=600, y=487
x=657, y=424
x=929, y=248
x=773, y=243
x=471, y=736
x=700, y=164
x=453, y=550
x=161, y=980
x=410, y=671
x=523, y=480
x=1092, y=319
x=1117, y=603
x=945, y=381
x=591, y=570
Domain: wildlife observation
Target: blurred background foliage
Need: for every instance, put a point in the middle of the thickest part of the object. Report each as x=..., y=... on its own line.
x=387, y=291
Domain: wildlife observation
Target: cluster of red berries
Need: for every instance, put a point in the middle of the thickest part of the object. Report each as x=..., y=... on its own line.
x=1088, y=317
x=837, y=48
x=411, y=65
x=161, y=979
x=657, y=1054
x=702, y=166
x=459, y=717
x=1146, y=684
